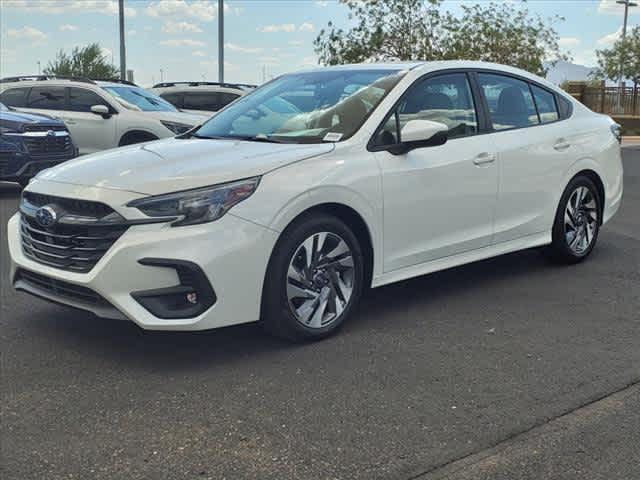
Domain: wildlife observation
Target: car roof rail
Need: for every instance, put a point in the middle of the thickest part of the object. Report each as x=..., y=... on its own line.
x=116, y=80
x=201, y=83
x=38, y=78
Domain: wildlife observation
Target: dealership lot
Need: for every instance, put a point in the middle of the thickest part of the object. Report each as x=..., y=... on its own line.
x=507, y=368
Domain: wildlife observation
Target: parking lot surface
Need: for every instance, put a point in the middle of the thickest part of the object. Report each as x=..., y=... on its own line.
x=511, y=368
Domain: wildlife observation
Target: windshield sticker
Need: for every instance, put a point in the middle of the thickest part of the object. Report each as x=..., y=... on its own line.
x=332, y=137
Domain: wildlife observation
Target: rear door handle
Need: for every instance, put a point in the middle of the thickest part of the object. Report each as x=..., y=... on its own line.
x=484, y=159
x=561, y=145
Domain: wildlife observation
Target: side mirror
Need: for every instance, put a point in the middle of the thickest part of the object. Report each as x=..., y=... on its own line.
x=102, y=110
x=418, y=134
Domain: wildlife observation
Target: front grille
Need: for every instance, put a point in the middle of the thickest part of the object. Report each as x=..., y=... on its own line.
x=44, y=128
x=69, y=247
x=49, y=146
x=74, y=206
x=4, y=161
x=62, y=290
x=74, y=247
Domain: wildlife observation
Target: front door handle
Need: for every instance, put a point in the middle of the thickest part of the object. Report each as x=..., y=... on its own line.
x=484, y=159
x=561, y=145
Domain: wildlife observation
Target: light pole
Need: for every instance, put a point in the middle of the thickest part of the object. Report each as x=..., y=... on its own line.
x=221, y=41
x=627, y=4
x=123, y=58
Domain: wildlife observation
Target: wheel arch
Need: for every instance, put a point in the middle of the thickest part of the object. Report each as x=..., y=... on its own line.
x=138, y=132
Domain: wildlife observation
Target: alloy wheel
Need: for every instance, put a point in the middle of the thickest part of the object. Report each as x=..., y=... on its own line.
x=320, y=279
x=581, y=220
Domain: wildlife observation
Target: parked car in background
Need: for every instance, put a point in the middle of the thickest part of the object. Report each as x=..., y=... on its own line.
x=99, y=114
x=201, y=97
x=30, y=143
x=384, y=172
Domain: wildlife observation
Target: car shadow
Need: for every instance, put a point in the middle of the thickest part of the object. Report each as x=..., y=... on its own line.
x=124, y=341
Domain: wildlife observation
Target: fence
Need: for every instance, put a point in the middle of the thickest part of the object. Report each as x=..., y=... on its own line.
x=619, y=101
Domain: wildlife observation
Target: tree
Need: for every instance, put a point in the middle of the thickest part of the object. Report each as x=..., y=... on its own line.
x=625, y=53
x=421, y=30
x=385, y=29
x=87, y=62
x=507, y=34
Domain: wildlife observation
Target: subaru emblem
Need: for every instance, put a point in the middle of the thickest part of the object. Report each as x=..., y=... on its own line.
x=51, y=133
x=46, y=216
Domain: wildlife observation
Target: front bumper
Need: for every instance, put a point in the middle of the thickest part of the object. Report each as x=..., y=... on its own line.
x=233, y=254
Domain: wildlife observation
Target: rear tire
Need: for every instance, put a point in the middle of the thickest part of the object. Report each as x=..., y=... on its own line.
x=577, y=222
x=314, y=280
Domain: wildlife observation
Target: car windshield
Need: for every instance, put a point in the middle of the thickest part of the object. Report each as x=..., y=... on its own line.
x=136, y=98
x=309, y=107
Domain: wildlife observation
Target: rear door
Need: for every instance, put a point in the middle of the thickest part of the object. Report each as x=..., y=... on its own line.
x=46, y=99
x=90, y=131
x=533, y=148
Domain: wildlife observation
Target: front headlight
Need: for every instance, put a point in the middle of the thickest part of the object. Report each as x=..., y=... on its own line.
x=176, y=128
x=197, y=206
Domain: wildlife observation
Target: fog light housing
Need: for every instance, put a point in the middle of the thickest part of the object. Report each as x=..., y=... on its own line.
x=192, y=297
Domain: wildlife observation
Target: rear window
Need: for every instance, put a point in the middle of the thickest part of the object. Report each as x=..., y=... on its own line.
x=46, y=98
x=14, y=97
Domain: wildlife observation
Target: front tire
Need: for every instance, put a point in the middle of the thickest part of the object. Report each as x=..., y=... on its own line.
x=314, y=280
x=577, y=222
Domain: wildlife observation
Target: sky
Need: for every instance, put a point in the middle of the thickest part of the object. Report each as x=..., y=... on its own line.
x=263, y=38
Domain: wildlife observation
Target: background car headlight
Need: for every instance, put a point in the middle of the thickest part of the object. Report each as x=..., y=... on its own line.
x=197, y=206
x=176, y=128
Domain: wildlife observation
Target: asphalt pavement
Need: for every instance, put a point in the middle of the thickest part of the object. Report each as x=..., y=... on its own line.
x=511, y=368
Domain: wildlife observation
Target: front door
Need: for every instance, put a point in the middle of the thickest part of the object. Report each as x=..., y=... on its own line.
x=438, y=201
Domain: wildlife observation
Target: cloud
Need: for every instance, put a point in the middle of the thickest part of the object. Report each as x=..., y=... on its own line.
x=321, y=3
x=270, y=61
x=180, y=27
x=284, y=27
x=27, y=33
x=569, y=42
x=56, y=7
x=201, y=10
x=132, y=33
x=67, y=28
x=610, y=7
x=309, y=62
x=307, y=27
x=198, y=53
x=182, y=42
x=238, y=48
x=148, y=28
x=296, y=43
x=609, y=40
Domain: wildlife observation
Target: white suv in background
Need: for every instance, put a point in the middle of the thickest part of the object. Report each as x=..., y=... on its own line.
x=99, y=114
x=201, y=97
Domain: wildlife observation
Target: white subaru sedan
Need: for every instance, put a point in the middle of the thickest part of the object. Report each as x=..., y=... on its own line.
x=291, y=202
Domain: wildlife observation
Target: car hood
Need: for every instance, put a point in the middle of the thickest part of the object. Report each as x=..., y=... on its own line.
x=173, y=164
x=177, y=117
x=15, y=119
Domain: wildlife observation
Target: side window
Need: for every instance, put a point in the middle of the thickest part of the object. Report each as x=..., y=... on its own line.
x=227, y=98
x=14, y=97
x=46, y=98
x=81, y=100
x=446, y=99
x=201, y=101
x=546, y=103
x=173, y=98
x=565, y=107
x=510, y=101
